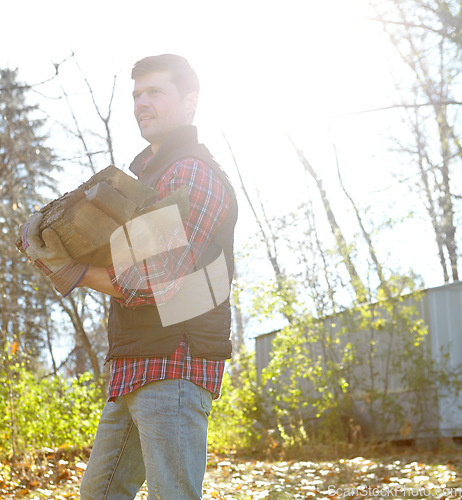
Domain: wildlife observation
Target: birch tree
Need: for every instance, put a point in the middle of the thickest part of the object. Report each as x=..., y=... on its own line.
x=427, y=36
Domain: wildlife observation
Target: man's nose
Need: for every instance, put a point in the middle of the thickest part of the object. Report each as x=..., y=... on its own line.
x=141, y=101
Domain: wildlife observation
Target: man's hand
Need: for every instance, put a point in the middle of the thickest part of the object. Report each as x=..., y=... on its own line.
x=46, y=252
x=50, y=256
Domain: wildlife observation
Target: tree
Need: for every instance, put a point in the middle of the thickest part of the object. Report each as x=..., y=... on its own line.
x=87, y=310
x=342, y=246
x=270, y=242
x=26, y=165
x=31, y=311
x=427, y=35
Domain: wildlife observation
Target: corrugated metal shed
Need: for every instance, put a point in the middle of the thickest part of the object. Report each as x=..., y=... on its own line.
x=441, y=309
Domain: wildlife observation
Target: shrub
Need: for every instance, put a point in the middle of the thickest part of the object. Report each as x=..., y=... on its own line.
x=234, y=421
x=48, y=412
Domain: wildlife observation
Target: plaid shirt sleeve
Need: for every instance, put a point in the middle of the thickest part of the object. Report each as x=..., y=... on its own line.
x=157, y=279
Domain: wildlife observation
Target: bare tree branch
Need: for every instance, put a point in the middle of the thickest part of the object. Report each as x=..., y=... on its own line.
x=37, y=84
x=56, y=369
x=365, y=233
x=407, y=24
x=270, y=251
x=79, y=134
x=340, y=241
x=447, y=102
x=104, y=119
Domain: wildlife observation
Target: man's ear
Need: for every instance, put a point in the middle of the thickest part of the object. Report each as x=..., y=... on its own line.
x=191, y=101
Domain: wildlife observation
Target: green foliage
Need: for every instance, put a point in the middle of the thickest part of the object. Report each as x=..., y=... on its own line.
x=352, y=374
x=57, y=411
x=48, y=412
x=234, y=420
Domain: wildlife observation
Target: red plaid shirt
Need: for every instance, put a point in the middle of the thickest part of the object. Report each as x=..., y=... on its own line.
x=209, y=205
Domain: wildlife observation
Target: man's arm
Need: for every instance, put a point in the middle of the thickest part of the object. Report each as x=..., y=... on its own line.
x=98, y=279
x=158, y=277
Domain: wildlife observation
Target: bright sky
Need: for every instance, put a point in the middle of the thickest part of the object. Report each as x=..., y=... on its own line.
x=266, y=67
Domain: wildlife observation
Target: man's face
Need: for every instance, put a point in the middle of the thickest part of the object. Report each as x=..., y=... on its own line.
x=159, y=108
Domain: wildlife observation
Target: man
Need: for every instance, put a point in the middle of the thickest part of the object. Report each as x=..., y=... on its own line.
x=164, y=374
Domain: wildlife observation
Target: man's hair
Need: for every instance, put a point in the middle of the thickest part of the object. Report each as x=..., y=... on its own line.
x=182, y=74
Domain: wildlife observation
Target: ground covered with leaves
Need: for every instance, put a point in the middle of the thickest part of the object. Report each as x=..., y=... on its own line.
x=56, y=474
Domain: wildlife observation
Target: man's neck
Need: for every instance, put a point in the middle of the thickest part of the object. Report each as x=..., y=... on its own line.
x=167, y=138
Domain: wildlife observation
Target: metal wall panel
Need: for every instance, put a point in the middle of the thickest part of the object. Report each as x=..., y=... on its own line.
x=445, y=327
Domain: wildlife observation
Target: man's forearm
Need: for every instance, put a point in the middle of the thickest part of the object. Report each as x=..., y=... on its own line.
x=98, y=279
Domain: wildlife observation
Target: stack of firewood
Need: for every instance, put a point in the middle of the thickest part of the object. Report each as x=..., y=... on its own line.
x=86, y=217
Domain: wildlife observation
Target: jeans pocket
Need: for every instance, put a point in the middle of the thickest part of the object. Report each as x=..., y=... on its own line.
x=206, y=400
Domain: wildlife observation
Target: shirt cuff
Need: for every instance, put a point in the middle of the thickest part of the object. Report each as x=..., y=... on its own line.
x=68, y=277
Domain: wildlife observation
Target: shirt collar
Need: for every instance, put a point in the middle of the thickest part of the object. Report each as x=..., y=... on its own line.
x=146, y=161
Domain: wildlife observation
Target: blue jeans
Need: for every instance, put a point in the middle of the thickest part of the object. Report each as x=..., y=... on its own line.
x=157, y=433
